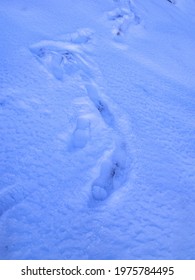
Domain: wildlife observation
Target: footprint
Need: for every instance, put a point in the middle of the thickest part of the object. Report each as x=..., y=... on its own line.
x=121, y=19
x=123, y=16
x=62, y=61
x=80, y=135
x=113, y=173
x=56, y=62
x=64, y=56
x=119, y=159
x=101, y=106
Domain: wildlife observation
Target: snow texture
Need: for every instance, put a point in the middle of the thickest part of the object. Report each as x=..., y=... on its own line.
x=97, y=157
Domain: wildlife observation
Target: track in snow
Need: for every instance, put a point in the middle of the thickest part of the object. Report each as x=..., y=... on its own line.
x=69, y=57
x=123, y=16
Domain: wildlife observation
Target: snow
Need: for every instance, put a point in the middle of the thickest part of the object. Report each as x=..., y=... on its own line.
x=97, y=129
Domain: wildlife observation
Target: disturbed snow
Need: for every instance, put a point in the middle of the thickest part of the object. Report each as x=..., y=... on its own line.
x=97, y=129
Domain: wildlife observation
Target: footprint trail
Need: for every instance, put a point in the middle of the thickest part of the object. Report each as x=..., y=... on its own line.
x=71, y=57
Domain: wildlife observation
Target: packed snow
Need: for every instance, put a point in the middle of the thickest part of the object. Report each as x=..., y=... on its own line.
x=97, y=157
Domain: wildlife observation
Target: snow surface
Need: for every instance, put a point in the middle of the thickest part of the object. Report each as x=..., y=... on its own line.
x=97, y=131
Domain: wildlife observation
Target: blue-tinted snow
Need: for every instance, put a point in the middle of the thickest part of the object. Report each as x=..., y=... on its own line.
x=97, y=129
